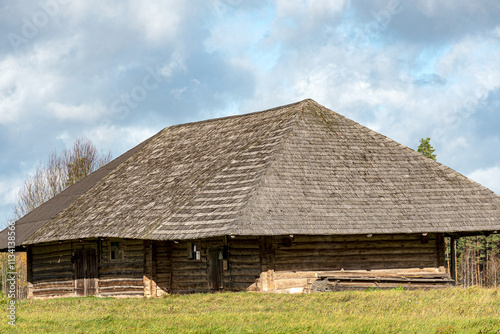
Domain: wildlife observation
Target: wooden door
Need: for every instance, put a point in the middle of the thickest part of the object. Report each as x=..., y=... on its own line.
x=91, y=272
x=214, y=270
x=86, y=272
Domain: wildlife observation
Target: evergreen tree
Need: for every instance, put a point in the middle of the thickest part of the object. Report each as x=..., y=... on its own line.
x=426, y=148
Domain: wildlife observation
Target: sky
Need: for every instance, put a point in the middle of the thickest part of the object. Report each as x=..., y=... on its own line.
x=118, y=71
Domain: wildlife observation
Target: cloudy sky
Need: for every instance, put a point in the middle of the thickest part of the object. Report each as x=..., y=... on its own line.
x=117, y=72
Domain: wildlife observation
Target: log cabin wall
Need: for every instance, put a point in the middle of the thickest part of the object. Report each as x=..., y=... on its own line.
x=136, y=268
x=190, y=275
x=243, y=267
x=162, y=268
x=123, y=275
x=284, y=264
x=51, y=270
x=223, y=264
x=299, y=260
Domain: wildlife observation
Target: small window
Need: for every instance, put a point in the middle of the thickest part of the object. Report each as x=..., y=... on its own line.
x=116, y=250
x=194, y=251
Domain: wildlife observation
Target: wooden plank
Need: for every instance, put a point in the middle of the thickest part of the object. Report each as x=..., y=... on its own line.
x=122, y=265
x=245, y=259
x=201, y=286
x=320, y=259
x=123, y=288
x=241, y=279
x=348, y=265
x=49, y=249
x=53, y=290
x=244, y=265
x=246, y=272
x=369, y=244
x=120, y=282
x=163, y=275
x=123, y=294
x=176, y=267
x=53, y=278
x=355, y=238
x=136, y=254
x=282, y=253
x=133, y=244
x=52, y=255
x=244, y=244
x=243, y=252
x=197, y=272
x=52, y=267
x=385, y=286
x=122, y=273
x=189, y=280
x=386, y=273
x=382, y=279
x=131, y=249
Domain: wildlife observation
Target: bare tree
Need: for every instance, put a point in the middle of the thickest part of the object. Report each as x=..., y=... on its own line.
x=59, y=172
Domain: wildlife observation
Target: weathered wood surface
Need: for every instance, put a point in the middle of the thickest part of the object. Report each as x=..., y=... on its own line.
x=175, y=273
x=277, y=264
x=51, y=270
x=113, y=273
x=244, y=266
x=299, y=260
x=188, y=276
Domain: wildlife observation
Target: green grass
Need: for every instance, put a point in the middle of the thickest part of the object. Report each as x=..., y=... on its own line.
x=456, y=310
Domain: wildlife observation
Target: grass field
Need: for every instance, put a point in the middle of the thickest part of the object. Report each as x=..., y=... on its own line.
x=443, y=311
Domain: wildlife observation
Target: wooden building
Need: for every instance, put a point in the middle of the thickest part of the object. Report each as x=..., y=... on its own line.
x=291, y=199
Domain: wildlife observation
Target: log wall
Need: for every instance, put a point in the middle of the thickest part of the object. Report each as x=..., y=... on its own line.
x=243, y=267
x=174, y=272
x=122, y=277
x=273, y=264
x=51, y=270
x=188, y=276
x=300, y=260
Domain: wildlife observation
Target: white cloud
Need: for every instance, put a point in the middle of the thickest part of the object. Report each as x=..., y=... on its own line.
x=84, y=112
x=160, y=20
x=30, y=80
x=309, y=10
x=9, y=189
x=175, y=65
x=496, y=32
x=488, y=177
x=157, y=20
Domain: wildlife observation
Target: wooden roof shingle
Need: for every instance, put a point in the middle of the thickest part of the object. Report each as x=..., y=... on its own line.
x=296, y=169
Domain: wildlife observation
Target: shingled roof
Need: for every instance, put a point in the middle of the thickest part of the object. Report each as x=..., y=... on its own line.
x=296, y=169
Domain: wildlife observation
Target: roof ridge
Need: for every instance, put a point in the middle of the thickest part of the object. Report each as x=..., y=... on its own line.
x=237, y=115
